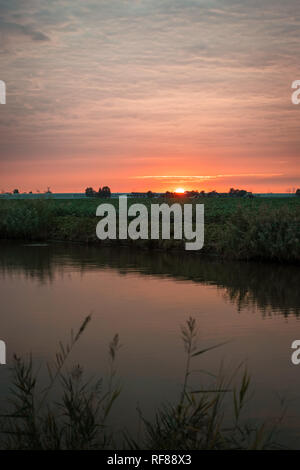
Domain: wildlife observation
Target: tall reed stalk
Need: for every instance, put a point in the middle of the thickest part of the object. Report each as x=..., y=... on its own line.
x=204, y=418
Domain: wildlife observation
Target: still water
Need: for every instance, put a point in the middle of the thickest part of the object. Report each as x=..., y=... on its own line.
x=46, y=290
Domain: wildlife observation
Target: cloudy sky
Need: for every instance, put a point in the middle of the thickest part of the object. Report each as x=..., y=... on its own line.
x=149, y=94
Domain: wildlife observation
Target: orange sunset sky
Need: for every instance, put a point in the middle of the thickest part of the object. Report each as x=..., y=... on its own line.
x=149, y=94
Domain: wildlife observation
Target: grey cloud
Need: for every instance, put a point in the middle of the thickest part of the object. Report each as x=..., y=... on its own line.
x=11, y=30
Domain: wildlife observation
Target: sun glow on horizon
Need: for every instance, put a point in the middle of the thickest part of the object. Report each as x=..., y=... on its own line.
x=179, y=190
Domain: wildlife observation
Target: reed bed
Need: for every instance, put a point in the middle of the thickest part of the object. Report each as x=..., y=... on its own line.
x=76, y=416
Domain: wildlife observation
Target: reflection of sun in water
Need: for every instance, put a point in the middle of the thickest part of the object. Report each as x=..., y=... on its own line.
x=179, y=190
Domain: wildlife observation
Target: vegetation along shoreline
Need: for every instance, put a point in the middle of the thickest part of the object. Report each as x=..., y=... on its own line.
x=235, y=228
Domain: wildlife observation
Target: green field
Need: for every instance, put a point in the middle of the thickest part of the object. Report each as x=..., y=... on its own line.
x=235, y=228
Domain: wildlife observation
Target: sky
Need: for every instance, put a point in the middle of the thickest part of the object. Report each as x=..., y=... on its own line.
x=149, y=94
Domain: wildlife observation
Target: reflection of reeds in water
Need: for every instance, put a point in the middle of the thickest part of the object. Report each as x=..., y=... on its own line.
x=79, y=419
x=270, y=288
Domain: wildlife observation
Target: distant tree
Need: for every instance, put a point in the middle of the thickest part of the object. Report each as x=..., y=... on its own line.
x=150, y=194
x=237, y=192
x=297, y=192
x=191, y=194
x=90, y=192
x=213, y=194
x=48, y=191
x=16, y=191
x=104, y=192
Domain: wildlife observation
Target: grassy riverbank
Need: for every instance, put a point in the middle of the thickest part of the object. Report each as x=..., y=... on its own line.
x=265, y=229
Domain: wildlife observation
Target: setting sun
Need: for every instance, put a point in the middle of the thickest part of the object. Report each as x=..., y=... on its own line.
x=179, y=190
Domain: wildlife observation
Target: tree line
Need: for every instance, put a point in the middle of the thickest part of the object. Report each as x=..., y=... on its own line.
x=102, y=192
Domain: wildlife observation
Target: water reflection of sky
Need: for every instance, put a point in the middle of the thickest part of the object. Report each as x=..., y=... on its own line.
x=46, y=291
